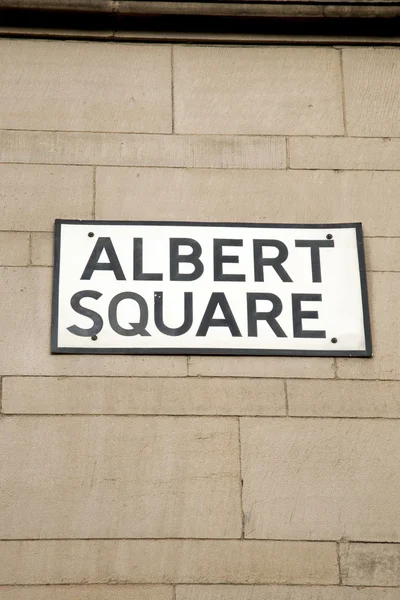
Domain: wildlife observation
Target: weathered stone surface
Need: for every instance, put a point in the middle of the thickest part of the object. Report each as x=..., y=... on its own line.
x=116, y=477
x=370, y=564
x=167, y=561
x=106, y=6
x=260, y=366
x=238, y=8
x=321, y=479
x=257, y=90
x=363, y=12
x=245, y=196
x=344, y=398
x=32, y=196
x=344, y=153
x=272, y=592
x=384, y=291
x=25, y=340
x=88, y=592
x=372, y=88
x=42, y=249
x=14, y=248
x=382, y=254
x=120, y=395
x=218, y=8
x=146, y=150
x=85, y=87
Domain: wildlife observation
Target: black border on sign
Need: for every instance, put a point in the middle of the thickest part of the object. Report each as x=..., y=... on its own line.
x=55, y=349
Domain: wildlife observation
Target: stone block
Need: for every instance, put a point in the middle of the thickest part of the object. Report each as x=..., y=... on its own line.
x=382, y=254
x=260, y=366
x=344, y=153
x=14, y=248
x=282, y=592
x=92, y=6
x=87, y=592
x=370, y=564
x=261, y=196
x=33, y=196
x=218, y=8
x=123, y=395
x=25, y=341
x=263, y=90
x=143, y=150
x=384, y=290
x=372, y=88
x=372, y=399
x=85, y=87
x=119, y=477
x=323, y=479
x=42, y=249
x=167, y=561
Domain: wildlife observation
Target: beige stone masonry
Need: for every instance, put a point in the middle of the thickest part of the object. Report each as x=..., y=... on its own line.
x=371, y=11
x=42, y=249
x=85, y=87
x=382, y=254
x=370, y=564
x=134, y=477
x=111, y=395
x=384, y=292
x=228, y=8
x=119, y=477
x=88, y=592
x=14, y=248
x=25, y=321
x=167, y=561
x=143, y=150
x=321, y=479
x=261, y=366
x=372, y=88
x=372, y=399
x=344, y=153
x=232, y=8
x=257, y=90
x=32, y=196
x=251, y=196
x=272, y=592
x=74, y=6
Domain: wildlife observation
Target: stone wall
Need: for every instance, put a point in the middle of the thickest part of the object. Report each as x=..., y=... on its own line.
x=197, y=478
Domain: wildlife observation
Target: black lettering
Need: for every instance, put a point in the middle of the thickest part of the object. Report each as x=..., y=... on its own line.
x=138, y=274
x=193, y=258
x=159, y=319
x=103, y=243
x=220, y=259
x=253, y=316
x=218, y=299
x=86, y=312
x=315, y=246
x=299, y=315
x=276, y=263
x=137, y=328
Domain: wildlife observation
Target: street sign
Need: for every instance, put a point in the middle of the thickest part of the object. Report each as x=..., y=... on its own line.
x=209, y=288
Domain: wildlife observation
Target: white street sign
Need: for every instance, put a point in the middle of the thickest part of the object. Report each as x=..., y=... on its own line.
x=209, y=288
